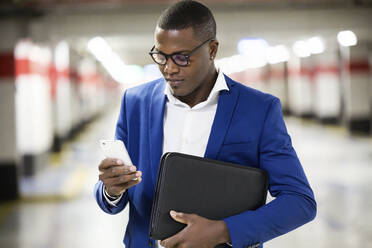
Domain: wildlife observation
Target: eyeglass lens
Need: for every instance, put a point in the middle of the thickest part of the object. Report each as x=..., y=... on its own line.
x=178, y=59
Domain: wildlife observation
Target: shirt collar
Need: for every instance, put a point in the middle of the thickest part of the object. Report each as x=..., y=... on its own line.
x=220, y=85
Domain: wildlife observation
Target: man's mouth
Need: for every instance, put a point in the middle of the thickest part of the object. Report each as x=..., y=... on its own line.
x=174, y=82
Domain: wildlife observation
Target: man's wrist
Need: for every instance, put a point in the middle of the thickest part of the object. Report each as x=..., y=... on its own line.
x=111, y=197
x=110, y=200
x=224, y=233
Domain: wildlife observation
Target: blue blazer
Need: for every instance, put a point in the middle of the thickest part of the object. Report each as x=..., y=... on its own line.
x=248, y=129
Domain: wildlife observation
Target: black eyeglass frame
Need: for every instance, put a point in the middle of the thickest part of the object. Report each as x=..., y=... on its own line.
x=187, y=56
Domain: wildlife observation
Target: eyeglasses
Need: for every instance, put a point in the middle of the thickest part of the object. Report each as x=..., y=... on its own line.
x=179, y=59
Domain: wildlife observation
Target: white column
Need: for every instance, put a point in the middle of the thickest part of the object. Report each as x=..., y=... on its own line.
x=300, y=86
x=327, y=86
x=62, y=102
x=33, y=105
x=356, y=73
x=277, y=83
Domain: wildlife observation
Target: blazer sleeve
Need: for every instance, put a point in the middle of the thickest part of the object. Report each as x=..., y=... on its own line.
x=294, y=203
x=121, y=133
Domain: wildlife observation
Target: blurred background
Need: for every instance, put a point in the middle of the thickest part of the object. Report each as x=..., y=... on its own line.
x=64, y=65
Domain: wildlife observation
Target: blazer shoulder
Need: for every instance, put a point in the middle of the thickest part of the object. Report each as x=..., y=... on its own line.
x=250, y=95
x=143, y=91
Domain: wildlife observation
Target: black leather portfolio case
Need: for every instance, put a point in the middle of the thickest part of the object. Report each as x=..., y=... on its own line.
x=209, y=188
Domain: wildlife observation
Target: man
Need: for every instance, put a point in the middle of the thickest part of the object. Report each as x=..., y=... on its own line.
x=196, y=109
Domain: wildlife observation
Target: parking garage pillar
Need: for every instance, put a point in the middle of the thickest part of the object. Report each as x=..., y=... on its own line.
x=356, y=71
x=11, y=31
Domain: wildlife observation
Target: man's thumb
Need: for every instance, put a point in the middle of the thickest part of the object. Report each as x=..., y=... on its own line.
x=179, y=217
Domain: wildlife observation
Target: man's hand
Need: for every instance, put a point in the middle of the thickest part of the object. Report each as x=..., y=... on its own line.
x=199, y=232
x=118, y=177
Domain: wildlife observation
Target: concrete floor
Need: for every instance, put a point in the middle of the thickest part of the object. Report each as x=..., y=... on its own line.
x=339, y=168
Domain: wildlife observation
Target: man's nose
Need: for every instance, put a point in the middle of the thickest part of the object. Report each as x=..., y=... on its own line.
x=170, y=67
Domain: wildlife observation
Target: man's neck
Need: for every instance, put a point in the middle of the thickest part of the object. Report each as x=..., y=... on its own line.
x=200, y=94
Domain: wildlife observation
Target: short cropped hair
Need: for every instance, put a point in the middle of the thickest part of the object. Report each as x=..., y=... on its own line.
x=187, y=13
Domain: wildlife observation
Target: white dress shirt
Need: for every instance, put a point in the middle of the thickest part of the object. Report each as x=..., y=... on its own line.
x=186, y=130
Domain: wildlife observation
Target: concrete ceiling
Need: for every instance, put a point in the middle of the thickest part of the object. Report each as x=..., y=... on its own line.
x=128, y=25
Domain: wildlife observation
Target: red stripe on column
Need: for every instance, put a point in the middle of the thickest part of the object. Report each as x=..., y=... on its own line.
x=305, y=71
x=7, y=65
x=53, y=80
x=332, y=69
x=359, y=66
x=277, y=74
x=39, y=68
x=294, y=72
x=22, y=67
x=248, y=76
x=74, y=76
x=89, y=78
x=63, y=73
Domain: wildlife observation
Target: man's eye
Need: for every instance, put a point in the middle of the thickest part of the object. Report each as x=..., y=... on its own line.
x=180, y=57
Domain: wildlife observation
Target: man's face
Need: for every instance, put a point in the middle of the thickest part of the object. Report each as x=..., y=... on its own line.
x=184, y=81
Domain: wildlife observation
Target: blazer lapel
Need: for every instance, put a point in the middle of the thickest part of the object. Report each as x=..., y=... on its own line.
x=156, y=119
x=226, y=105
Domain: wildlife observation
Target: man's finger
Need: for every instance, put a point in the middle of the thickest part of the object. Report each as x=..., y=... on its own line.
x=130, y=177
x=109, y=162
x=179, y=217
x=120, y=180
x=133, y=182
x=118, y=171
x=123, y=170
x=118, y=189
x=172, y=241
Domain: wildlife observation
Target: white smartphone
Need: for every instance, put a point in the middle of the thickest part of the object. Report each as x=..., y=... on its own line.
x=115, y=149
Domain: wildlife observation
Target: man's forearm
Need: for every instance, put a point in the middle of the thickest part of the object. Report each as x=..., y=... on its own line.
x=285, y=213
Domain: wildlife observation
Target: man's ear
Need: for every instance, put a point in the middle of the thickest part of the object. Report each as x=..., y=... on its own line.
x=213, y=48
